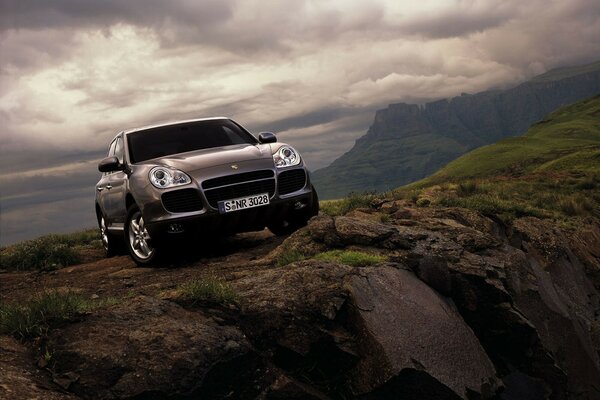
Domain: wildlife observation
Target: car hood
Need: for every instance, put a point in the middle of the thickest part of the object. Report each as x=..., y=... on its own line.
x=207, y=158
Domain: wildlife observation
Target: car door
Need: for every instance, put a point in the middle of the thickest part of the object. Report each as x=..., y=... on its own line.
x=118, y=187
x=102, y=187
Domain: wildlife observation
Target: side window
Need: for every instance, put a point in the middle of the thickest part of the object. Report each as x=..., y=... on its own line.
x=119, y=149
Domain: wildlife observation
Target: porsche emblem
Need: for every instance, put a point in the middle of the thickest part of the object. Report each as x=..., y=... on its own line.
x=234, y=166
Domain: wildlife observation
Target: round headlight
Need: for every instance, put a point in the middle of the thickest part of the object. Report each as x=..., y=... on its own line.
x=163, y=178
x=286, y=157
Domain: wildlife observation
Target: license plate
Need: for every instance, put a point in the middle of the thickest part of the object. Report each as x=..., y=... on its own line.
x=243, y=203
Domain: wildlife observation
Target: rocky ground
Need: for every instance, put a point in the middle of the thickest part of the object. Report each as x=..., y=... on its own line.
x=465, y=307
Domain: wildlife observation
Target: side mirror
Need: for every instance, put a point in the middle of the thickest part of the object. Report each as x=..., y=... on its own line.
x=109, y=164
x=267, y=137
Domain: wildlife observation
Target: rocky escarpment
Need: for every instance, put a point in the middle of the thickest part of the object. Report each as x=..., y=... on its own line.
x=463, y=307
x=408, y=142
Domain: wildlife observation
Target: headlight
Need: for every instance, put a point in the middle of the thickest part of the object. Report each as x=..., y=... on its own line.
x=163, y=178
x=286, y=157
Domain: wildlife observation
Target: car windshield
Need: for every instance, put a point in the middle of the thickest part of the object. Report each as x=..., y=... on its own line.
x=180, y=138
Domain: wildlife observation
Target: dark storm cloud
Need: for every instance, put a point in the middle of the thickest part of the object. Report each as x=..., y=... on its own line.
x=314, y=117
x=41, y=14
x=455, y=23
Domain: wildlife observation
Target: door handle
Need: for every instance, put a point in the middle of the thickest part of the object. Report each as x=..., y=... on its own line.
x=99, y=188
x=108, y=187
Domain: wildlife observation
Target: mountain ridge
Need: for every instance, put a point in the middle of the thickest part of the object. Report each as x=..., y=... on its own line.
x=408, y=142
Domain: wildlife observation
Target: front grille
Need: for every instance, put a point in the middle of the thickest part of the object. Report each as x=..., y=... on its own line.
x=291, y=181
x=184, y=200
x=240, y=190
x=237, y=178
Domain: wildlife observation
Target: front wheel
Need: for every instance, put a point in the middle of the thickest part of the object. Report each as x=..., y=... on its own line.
x=138, y=239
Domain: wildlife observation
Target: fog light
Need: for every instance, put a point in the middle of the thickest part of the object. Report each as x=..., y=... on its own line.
x=175, y=228
x=299, y=205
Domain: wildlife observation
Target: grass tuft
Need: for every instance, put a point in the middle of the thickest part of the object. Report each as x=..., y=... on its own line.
x=466, y=188
x=423, y=202
x=344, y=206
x=35, y=316
x=48, y=252
x=352, y=258
x=210, y=289
x=289, y=256
x=575, y=205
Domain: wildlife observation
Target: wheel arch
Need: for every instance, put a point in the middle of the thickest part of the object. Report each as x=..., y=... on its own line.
x=129, y=201
x=98, y=212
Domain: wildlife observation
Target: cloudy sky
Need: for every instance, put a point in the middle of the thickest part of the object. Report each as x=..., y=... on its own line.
x=73, y=73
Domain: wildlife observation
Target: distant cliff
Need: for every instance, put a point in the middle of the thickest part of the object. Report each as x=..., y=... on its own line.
x=408, y=142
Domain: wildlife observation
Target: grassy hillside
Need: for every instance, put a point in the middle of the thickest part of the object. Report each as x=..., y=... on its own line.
x=408, y=142
x=551, y=171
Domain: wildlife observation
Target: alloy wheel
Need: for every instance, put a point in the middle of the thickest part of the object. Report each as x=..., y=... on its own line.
x=104, y=233
x=139, y=237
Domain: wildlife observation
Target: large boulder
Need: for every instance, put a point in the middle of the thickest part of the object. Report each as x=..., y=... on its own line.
x=363, y=329
x=405, y=329
x=147, y=346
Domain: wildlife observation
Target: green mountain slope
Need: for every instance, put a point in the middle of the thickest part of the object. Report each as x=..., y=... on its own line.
x=408, y=142
x=551, y=171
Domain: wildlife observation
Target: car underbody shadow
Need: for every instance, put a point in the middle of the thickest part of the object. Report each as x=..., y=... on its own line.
x=185, y=250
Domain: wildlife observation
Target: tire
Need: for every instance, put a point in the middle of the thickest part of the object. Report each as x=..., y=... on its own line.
x=314, y=203
x=112, y=244
x=137, y=238
x=295, y=221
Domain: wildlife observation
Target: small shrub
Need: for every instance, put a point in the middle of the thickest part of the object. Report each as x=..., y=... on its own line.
x=34, y=317
x=467, y=188
x=414, y=196
x=207, y=290
x=289, y=256
x=352, y=258
x=423, y=202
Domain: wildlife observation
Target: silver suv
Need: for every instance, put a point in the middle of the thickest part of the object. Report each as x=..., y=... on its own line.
x=197, y=178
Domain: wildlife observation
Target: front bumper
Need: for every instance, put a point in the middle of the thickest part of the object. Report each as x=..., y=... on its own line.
x=207, y=219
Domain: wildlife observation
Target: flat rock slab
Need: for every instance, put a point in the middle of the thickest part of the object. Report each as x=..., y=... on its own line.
x=409, y=326
x=362, y=232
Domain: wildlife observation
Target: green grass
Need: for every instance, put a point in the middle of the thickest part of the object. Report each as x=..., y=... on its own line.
x=288, y=256
x=348, y=257
x=35, y=316
x=210, y=289
x=352, y=258
x=345, y=205
x=567, y=141
x=48, y=252
x=553, y=171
